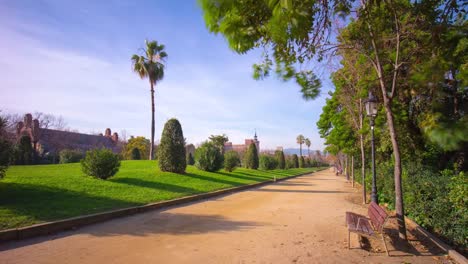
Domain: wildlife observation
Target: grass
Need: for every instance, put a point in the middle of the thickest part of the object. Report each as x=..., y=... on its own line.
x=41, y=193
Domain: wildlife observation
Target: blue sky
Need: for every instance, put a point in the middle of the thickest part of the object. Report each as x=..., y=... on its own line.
x=72, y=58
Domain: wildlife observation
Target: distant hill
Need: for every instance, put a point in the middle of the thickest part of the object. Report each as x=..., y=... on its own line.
x=291, y=151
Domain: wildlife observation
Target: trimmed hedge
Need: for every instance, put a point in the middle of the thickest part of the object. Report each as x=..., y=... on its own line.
x=70, y=156
x=100, y=163
x=171, y=150
x=251, y=157
x=208, y=157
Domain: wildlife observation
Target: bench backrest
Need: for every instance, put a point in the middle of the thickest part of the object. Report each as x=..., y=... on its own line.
x=377, y=215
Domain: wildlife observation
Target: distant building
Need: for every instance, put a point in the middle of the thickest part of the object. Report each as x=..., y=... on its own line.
x=46, y=140
x=241, y=148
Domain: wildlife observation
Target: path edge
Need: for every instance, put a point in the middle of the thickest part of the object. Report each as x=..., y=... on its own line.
x=452, y=253
x=72, y=223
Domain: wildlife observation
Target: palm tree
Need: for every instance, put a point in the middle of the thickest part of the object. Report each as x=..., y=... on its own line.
x=300, y=141
x=307, y=143
x=150, y=65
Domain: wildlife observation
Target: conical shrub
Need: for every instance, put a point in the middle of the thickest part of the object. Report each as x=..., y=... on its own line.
x=251, y=157
x=171, y=150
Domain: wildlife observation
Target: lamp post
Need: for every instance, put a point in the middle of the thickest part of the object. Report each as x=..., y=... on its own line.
x=371, y=109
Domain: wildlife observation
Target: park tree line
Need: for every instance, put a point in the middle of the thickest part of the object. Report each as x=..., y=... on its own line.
x=413, y=56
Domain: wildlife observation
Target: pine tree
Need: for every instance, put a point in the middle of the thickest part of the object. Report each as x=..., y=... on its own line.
x=251, y=157
x=281, y=161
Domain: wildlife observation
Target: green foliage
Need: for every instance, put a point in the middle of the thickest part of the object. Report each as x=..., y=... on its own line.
x=290, y=30
x=70, y=156
x=141, y=143
x=190, y=159
x=294, y=161
x=171, y=151
x=267, y=162
x=302, y=162
x=279, y=154
x=100, y=163
x=24, y=151
x=231, y=160
x=136, y=154
x=6, y=155
x=151, y=63
x=218, y=141
x=251, y=157
x=208, y=157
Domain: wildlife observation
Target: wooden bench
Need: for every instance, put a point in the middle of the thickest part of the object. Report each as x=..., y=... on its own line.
x=368, y=227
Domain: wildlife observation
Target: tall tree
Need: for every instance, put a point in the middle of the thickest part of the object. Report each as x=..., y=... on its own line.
x=307, y=143
x=219, y=141
x=151, y=65
x=300, y=140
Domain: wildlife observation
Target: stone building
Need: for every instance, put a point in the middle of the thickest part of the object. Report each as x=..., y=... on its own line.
x=50, y=141
x=241, y=148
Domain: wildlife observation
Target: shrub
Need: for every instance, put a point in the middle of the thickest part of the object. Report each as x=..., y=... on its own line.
x=267, y=162
x=171, y=151
x=24, y=151
x=231, y=160
x=251, y=157
x=279, y=154
x=100, y=163
x=295, y=161
x=301, y=162
x=190, y=159
x=141, y=143
x=70, y=156
x=6, y=154
x=208, y=157
x=136, y=155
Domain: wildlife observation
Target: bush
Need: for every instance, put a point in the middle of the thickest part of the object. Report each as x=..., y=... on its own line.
x=141, y=143
x=208, y=157
x=294, y=161
x=190, y=159
x=70, y=156
x=280, y=159
x=100, y=163
x=24, y=152
x=301, y=162
x=136, y=155
x=231, y=160
x=6, y=154
x=171, y=151
x=251, y=157
x=267, y=162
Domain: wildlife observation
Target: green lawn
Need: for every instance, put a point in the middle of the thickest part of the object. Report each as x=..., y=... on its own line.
x=35, y=194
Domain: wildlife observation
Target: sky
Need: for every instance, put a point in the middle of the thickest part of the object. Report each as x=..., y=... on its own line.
x=72, y=59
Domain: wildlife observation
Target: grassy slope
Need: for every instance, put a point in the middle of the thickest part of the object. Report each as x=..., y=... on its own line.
x=34, y=194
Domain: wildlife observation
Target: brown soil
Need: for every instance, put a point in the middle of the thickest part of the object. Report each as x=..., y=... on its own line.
x=296, y=221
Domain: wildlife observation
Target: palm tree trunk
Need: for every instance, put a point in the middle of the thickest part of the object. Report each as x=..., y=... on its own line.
x=399, y=207
x=300, y=149
x=151, y=154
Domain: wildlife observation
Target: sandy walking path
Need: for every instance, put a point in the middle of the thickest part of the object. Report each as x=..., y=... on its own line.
x=295, y=221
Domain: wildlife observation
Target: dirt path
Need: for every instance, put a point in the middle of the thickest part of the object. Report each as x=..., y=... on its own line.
x=296, y=221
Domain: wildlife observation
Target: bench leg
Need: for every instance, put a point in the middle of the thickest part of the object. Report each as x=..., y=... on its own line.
x=349, y=243
x=385, y=244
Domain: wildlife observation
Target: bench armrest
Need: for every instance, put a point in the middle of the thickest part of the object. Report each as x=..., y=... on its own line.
x=359, y=220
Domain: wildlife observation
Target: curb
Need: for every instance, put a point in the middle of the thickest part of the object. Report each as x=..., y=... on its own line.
x=79, y=221
x=459, y=258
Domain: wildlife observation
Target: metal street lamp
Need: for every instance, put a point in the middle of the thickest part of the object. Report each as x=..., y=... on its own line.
x=371, y=109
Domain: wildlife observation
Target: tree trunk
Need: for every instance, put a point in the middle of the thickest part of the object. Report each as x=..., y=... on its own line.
x=399, y=207
x=151, y=154
x=352, y=170
x=300, y=149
